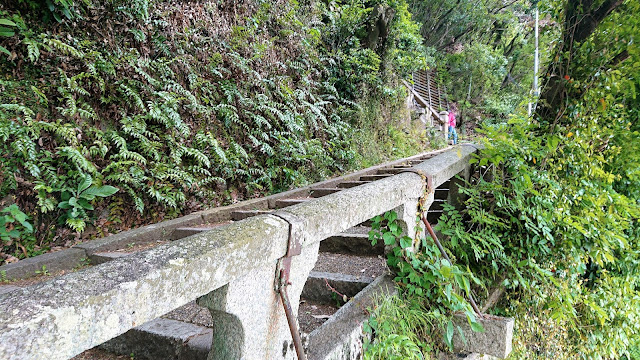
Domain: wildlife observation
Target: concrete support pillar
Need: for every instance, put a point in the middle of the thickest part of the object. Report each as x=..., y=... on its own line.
x=444, y=116
x=455, y=198
x=408, y=216
x=248, y=317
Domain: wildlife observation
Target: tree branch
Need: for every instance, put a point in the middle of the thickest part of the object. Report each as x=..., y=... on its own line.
x=624, y=55
x=585, y=26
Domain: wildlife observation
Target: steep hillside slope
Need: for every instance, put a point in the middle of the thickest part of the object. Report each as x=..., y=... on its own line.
x=117, y=113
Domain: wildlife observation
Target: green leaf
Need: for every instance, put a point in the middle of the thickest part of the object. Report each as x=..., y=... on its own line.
x=7, y=22
x=76, y=224
x=74, y=202
x=85, y=204
x=64, y=205
x=85, y=183
x=465, y=284
x=405, y=242
x=445, y=271
x=6, y=32
x=28, y=227
x=476, y=326
x=391, y=216
x=388, y=238
x=4, y=50
x=449, y=334
x=102, y=191
x=65, y=195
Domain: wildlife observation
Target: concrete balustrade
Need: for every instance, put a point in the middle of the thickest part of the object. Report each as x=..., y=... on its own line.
x=230, y=269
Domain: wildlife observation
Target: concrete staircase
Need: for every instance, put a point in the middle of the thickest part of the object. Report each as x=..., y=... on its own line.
x=346, y=265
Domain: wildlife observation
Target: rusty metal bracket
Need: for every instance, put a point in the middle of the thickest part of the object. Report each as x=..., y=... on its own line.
x=427, y=177
x=294, y=247
x=283, y=271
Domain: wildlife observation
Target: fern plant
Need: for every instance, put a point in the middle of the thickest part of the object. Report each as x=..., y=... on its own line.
x=77, y=201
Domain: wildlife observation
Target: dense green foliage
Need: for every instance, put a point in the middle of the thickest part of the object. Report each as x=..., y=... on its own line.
x=432, y=289
x=552, y=214
x=483, y=53
x=182, y=105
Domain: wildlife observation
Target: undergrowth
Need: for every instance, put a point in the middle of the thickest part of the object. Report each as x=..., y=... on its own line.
x=550, y=219
x=418, y=322
x=178, y=106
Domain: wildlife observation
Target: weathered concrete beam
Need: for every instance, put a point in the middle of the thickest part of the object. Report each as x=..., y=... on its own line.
x=55, y=261
x=8, y=288
x=341, y=337
x=335, y=213
x=448, y=164
x=495, y=340
x=73, y=313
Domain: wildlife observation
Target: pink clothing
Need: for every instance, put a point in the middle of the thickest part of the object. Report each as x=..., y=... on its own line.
x=452, y=119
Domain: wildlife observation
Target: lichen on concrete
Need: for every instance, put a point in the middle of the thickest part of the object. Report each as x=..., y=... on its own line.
x=68, y=315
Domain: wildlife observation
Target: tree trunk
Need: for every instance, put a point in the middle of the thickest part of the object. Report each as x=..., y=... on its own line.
x=581, y=19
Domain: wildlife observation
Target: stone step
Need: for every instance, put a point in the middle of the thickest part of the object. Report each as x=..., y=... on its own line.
x=354, y=244
x=335, y=337
x=350, y=184
x=183, y=232
x=355, y=265
x=373, y=177
x=320, y=192
x=392, y=171
x=282, y=203
x=163, y=339
x=243, y=214
x=437, y=205
x=433, y=216
x=316, y=289
x=103, y=257
x=441, y=193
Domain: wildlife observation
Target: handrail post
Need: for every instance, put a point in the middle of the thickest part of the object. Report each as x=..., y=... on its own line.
x=249, y=319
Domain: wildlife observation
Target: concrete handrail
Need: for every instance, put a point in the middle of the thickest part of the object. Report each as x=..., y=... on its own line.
x=63, y=317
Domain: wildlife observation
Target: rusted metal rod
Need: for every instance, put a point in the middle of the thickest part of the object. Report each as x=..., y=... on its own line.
x=291, y=320
x=444, y=254
x=294, y=247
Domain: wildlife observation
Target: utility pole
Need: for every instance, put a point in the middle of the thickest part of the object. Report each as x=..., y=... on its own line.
x=536, y=65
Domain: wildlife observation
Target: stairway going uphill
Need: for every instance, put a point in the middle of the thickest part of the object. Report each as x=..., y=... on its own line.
x=263, y=272
x=347, y=264
x=425, y=84
x=428, y=98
